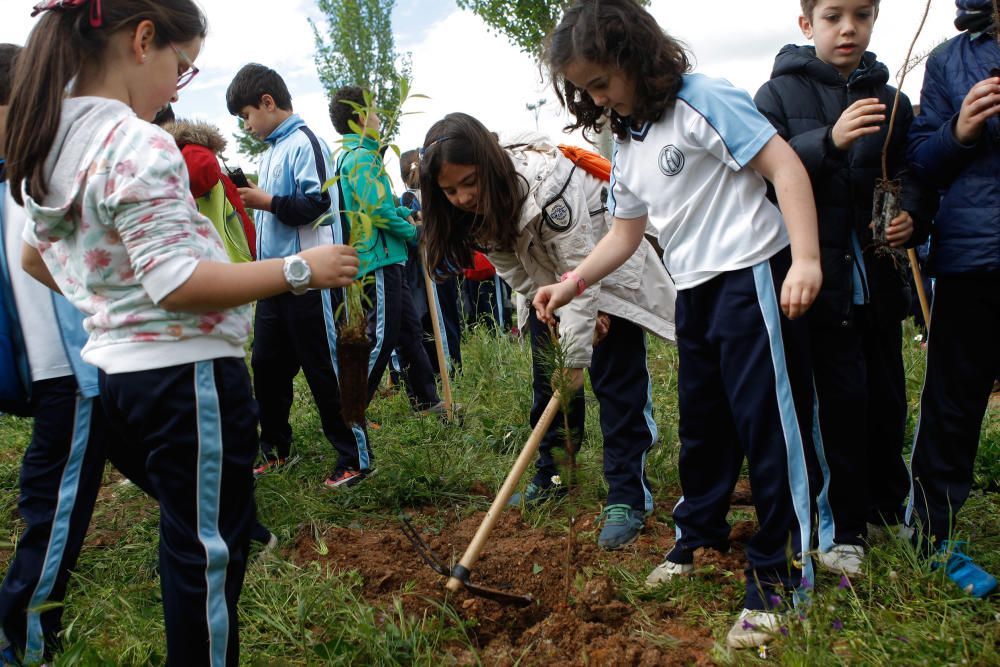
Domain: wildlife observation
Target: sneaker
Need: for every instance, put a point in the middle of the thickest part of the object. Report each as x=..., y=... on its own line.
x=622, y=525
x=883, y=534
x=666, y=571
x=971, y=578
x=346, y=477
x=439, y=409
x=535, y=494
x=843, y=559
x=270, y=463
x=752, y=629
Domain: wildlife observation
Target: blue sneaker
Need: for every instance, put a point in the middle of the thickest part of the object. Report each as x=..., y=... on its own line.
x=535, y=494
x=971, y=578
x=622, y=525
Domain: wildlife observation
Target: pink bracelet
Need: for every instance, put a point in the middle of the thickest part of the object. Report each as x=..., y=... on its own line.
x=581, y=285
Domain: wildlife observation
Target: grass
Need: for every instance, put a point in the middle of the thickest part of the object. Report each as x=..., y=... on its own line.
x=901, y=613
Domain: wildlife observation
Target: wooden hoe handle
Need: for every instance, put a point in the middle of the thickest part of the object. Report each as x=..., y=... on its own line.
x=506, y=491
x=438, y=345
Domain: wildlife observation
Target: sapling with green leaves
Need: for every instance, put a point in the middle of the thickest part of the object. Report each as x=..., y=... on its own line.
x=353, y=345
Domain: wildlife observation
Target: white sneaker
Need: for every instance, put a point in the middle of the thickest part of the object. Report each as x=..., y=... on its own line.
x=666, y=571
x=843, y=559
x=753, y=629
x=878, y=533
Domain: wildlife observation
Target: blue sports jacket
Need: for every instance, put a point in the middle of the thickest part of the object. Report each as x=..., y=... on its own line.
x=294, y=172
x=965, y=236
x=69, y=319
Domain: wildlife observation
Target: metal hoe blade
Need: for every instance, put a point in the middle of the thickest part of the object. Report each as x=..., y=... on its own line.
x=459, y=572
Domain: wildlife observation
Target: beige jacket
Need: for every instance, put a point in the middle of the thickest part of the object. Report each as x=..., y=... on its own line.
x=562, y=220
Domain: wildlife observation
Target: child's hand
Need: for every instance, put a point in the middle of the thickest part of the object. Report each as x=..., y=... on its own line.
x=982, y=103
x=572, y=378
x=900, y=230
x=331, y=265
x=551, y=297
x=800, y=288
x=254, y=197
x=601, y=328
x=861, y=118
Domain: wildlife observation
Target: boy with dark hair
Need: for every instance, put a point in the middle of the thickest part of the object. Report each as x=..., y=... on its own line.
x=955, y=148
x=294, y=330
x=831, y=102
x=365, y=187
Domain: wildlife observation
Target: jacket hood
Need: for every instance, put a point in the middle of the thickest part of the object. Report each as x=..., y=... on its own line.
x=795, y=59
x=83, y=120
x=194, y=132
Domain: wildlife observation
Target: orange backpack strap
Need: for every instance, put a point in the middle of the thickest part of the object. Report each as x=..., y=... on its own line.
x=593, y=163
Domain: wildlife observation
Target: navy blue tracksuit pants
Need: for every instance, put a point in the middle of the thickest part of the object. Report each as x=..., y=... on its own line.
x=620, y=379
x=963, y=360
x=291, y=333
x=60, y=477
x=744, y=390
x=194, y=427
x=413, y=362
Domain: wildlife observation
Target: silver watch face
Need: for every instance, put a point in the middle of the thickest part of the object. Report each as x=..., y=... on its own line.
x=298, y=270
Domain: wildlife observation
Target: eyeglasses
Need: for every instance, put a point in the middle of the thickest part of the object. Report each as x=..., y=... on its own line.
x=184, y=78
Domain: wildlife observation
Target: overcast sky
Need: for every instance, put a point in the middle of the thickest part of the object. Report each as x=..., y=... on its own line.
x=461, y=66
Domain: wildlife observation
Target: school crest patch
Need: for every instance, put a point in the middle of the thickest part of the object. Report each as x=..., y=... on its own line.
x=671, y=160
x=558, y=215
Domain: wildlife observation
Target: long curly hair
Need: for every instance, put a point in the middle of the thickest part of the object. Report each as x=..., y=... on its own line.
x=451, y=234
x=622, y=34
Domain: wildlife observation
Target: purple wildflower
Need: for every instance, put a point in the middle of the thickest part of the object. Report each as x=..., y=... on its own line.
x=774, y=599
x=747, y=625
x=845, y=583
x=838, y=624
x=784, y=630
x=806, y=583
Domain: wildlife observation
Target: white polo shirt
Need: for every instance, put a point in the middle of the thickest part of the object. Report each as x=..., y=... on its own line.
x=686, y=172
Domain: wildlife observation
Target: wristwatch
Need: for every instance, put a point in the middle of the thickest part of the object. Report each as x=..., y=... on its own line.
x=298, y=274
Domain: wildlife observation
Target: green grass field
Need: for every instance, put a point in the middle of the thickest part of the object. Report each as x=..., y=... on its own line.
x=301, y=608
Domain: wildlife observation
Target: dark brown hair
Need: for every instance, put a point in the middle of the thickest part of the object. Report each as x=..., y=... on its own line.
x=409, y=169
x=622, y=34
x=253, y=82
x=8, y=54
x=451, y=234
x=341, y=112
x=59, y=46
x=809, y=6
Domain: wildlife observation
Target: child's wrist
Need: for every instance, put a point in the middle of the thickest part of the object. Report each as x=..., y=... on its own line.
x=578, y=282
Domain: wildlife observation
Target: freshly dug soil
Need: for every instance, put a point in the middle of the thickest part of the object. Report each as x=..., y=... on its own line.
x=353, y=349
x=596, y=627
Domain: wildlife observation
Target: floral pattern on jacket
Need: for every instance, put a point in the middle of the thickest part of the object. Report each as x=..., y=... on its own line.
x=128, y=214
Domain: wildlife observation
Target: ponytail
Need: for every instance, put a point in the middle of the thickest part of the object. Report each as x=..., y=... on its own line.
x=63, y=41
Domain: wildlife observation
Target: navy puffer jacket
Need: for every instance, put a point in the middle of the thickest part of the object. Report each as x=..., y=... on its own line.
x=803, y=100
x=966, y=233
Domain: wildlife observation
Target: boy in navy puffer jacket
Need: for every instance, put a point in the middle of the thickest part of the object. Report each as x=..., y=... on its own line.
x=955, y=147
x=832, y=103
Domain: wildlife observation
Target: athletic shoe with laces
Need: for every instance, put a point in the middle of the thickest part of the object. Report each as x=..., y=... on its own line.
x=971, y=578
x=666, y=571
x=752, y=629
x=346, y=477
x=622, y=525
x=535, y=494
x=883, y=534
x=843, y=559
x=269, y=464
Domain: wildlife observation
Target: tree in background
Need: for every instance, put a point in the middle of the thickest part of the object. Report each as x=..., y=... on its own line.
x=526, y=23
x=248, y=145
x=359, y=50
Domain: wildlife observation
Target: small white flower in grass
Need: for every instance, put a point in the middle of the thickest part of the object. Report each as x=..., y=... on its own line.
x=556, y=480
x=919, y=338
x=762, y=651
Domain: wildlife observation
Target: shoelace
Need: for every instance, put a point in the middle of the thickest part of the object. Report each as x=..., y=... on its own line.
x=615, y=515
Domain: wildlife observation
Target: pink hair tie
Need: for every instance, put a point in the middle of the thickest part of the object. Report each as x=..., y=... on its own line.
x=96, y=19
